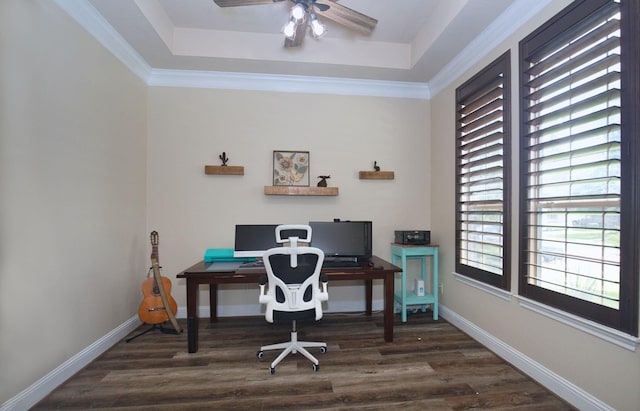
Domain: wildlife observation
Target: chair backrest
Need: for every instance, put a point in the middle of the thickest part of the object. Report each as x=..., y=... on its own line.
x=294, y=290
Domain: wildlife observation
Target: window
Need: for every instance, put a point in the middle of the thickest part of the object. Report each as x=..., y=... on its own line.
x=578, y=229
x=482, y=175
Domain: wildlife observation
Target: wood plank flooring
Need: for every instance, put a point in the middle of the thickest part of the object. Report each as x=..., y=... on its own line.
x=431, y=365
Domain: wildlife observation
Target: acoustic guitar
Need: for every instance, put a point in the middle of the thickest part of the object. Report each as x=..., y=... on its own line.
x=154, y=308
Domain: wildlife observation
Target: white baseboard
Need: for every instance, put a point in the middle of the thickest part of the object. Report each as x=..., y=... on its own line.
x=41, y=388
x=571, y=393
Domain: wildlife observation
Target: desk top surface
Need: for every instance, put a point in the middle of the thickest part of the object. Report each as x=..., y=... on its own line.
x=376, y=268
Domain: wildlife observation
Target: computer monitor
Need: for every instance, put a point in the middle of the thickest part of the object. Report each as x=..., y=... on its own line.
x=342, y=239
x=252, y=240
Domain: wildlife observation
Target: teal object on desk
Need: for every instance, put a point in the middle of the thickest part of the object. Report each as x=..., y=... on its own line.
x=223, y=255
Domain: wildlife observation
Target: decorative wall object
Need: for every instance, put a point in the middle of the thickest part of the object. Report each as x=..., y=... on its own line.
x=376, y=174
x=300, y=191
x=323, y=181
x=291, y=168
x=224, y=169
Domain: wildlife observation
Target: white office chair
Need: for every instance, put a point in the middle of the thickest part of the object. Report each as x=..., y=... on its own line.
x=293, y=290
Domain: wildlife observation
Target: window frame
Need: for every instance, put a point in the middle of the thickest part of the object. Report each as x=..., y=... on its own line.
x=499, y=67
x=625, y=318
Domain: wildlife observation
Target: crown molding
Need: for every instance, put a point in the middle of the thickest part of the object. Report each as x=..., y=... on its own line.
x=92, y=21
x=287, y=84
x=504, y=26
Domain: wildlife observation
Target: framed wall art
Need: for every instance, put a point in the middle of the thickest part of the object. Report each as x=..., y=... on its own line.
x=290, y=168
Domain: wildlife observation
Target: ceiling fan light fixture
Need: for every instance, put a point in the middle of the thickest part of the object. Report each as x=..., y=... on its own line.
x=290, y=28
x=298, y=12
x=318, y=29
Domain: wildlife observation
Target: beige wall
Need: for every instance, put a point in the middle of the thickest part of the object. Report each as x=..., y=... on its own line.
x=606, y=371
x=189, y=128
x=72, y=186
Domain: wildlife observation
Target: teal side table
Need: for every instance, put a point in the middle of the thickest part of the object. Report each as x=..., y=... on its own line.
x=405, y=252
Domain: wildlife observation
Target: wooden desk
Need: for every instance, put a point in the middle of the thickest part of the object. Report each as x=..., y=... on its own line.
x=197, y=274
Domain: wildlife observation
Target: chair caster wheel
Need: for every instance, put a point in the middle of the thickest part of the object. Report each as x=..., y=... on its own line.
x=323, y=350
x=260, y=354
x=316, y=367
x=272, y=370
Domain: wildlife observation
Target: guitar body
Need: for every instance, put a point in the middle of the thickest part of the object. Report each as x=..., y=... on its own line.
x=152, y=309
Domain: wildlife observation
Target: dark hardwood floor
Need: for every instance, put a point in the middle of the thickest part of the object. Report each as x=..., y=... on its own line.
x=431, y=365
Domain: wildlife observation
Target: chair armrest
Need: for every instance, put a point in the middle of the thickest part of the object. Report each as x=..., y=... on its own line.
x=324, y=295
x=263, y=298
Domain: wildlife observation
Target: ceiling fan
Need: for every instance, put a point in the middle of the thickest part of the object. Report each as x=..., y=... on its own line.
x=296, y=28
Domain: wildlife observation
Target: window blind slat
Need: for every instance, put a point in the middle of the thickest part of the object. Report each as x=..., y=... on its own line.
x=557, y=70
x=483, y=123
x=610, y=132
x=495, y=103
x=572, y=93
x=597, y=32
x=568, y=112
x=469, y=156
x=482, y=95
x=568, y=126
x=491, y=129
x=466, y=143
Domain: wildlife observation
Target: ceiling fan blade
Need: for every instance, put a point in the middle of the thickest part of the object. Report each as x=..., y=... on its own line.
x=301, y=30
x=236, y=3
x=320, y=6
x=348, y=17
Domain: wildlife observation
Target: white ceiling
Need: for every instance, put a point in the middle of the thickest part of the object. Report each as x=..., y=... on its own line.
x=413, y=41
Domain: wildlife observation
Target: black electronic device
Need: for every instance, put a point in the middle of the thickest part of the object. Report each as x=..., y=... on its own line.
x=412, y=237
x=252, y=240
x=343, y=242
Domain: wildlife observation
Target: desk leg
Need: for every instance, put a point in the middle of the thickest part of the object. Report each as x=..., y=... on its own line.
x=192, y=316
x=368, y=290
x=213, y=303
x=388, y=307
x=436, y=284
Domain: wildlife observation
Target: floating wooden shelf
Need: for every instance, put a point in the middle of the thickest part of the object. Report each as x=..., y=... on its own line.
x=224, y=170
x=300, y=191
x=377, y=175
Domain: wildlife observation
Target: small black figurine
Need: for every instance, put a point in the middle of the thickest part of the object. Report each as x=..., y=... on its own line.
x=376, y=166
x=224, y=158
x=323, y=182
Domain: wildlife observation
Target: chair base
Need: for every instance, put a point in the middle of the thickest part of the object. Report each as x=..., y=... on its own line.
x=292, y=347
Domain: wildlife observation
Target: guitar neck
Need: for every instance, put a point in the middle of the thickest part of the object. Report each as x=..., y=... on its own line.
x=154, y=253
x=154, y=246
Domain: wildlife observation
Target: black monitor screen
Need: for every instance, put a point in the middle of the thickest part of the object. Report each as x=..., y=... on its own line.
x=342, y=238
x=252, y=240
